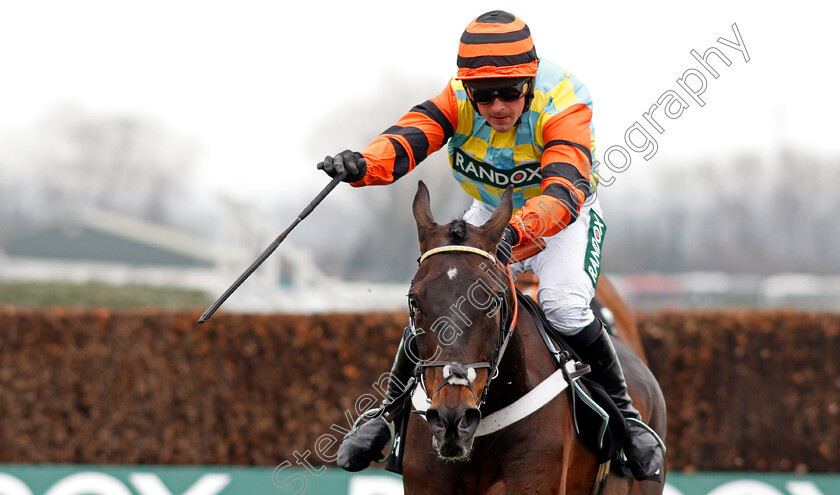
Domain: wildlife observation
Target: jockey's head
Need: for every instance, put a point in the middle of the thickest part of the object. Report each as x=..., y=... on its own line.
x=497, y=63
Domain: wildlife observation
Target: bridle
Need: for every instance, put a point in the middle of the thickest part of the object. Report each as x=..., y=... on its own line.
x=464, y=374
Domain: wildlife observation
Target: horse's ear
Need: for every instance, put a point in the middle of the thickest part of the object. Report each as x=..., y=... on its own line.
x=495, y=225
x=422, y=210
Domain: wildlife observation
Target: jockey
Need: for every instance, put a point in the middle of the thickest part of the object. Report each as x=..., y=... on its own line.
x=511, y=118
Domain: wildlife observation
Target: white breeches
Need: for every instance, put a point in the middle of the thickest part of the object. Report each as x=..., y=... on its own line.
x=565, y=286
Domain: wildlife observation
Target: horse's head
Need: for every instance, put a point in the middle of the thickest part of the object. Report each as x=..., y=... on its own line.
x=460, y=299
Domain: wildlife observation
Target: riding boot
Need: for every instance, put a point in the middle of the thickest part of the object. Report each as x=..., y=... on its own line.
x=364, y=444
x=641, y=448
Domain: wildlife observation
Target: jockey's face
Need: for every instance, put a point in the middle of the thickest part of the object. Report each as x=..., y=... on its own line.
x=500, y=101
x=502, y=115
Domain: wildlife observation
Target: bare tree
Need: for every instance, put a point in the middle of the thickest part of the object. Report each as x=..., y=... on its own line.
x=76, y=160
x=740, y=215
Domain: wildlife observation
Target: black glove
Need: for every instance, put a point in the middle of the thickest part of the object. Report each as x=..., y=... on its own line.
x=351, y=161
x=510, y=238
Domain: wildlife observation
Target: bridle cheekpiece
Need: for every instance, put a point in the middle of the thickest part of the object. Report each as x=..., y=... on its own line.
x=464, y=374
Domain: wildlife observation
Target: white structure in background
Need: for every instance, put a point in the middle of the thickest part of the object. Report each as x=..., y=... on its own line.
x=289, y=280
x=109, y=248
x=114, y=249
x=653, y=291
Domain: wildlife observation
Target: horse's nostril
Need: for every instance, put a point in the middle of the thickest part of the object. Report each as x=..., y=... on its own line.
x=470, y=420
x=434, y=419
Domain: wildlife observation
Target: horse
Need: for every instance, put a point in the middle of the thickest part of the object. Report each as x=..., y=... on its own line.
x=470, y=335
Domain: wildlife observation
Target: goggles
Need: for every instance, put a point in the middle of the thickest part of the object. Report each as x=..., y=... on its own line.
x=510, y=92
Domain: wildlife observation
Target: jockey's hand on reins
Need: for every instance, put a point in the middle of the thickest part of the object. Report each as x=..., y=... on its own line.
x=510, y=238
x=351, y=161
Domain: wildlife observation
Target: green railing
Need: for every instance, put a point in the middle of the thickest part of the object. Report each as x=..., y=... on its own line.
x=286, y=480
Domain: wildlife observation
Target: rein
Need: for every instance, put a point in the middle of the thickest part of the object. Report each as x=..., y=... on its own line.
x=464, y=374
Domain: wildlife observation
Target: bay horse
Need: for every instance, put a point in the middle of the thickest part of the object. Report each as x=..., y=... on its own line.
x=470, y=335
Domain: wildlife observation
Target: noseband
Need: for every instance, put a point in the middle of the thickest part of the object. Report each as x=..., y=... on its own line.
x=464, y=374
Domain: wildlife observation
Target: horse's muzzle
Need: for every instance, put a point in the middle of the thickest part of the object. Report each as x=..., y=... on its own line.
x=453, y=430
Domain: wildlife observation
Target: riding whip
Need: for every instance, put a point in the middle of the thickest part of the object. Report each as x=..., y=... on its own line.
x=270, y=249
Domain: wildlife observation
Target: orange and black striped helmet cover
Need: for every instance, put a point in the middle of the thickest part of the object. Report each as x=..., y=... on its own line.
x=496, y=44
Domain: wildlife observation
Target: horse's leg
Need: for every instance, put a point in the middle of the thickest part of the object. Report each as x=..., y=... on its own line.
x=417, y=468
x=532, y=475
x=581, y=471
x=619, y=485
x=648, y=487
x=551, y=462
x=424, y=473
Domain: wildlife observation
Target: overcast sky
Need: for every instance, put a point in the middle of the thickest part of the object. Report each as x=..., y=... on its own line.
x=246, y=81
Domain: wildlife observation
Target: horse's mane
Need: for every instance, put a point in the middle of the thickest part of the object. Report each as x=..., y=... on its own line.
x=457, y=231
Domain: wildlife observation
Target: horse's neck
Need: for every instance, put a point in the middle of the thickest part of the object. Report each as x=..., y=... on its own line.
x=523, y=367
